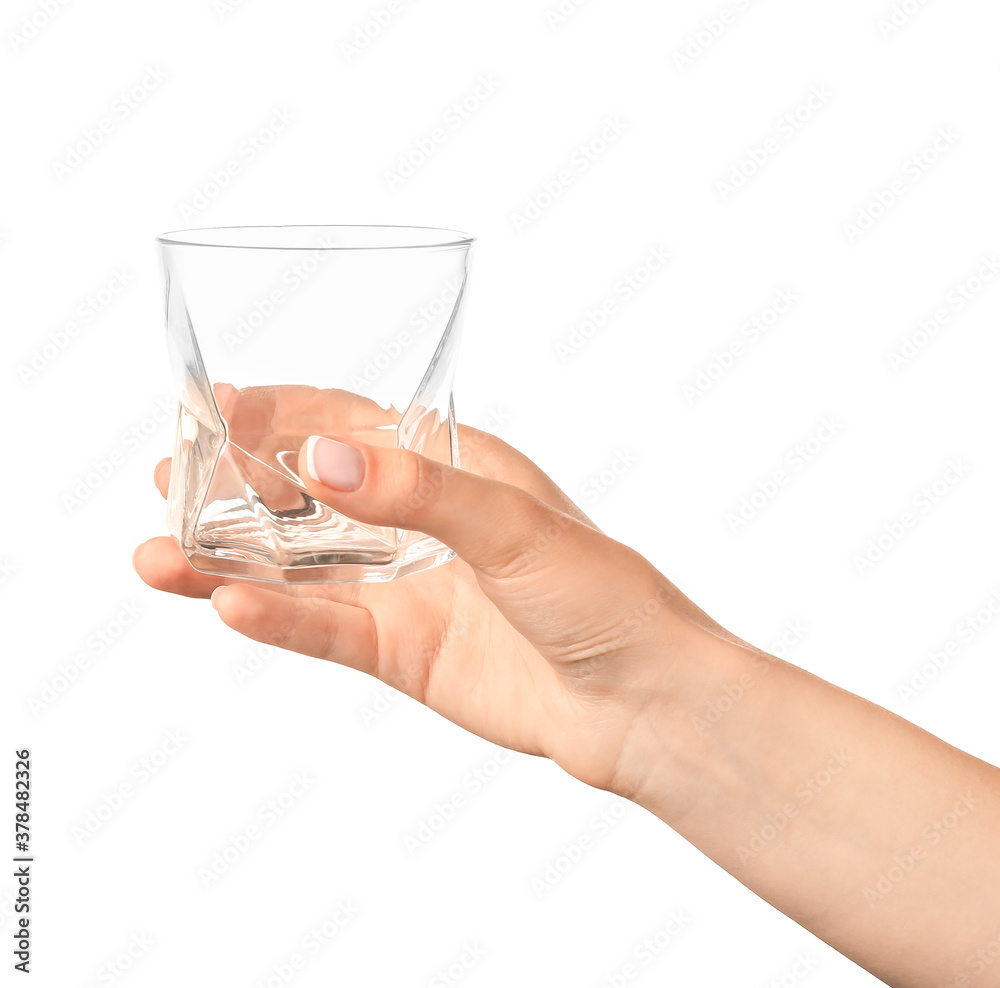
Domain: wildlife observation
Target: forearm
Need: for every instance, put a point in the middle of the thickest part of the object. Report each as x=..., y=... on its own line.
x=875, y=835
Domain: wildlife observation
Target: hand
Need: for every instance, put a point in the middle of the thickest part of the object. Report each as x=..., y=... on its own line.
x=544, y=636
x=550, y=637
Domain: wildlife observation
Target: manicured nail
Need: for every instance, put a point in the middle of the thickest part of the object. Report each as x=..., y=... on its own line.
x=334, y=464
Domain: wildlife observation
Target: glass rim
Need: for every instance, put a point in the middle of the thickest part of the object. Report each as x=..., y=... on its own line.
x=215, y=236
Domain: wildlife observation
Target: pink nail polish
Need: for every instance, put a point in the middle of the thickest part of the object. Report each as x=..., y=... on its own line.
x=334, y=464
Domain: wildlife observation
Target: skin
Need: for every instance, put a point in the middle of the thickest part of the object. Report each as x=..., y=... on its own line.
x=549, y=637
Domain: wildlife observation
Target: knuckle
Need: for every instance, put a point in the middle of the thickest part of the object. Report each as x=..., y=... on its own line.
x=542, y=528
x=475, y=440
x=486, y=453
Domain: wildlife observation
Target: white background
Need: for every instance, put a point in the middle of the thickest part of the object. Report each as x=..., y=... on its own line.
x=66, y=563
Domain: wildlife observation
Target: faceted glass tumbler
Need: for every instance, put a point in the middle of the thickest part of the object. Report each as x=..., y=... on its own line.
x=282, y=332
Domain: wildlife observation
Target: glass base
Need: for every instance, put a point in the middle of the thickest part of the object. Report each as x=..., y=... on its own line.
x=347, y=569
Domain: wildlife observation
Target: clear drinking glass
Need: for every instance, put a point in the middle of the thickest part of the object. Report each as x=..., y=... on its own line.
x=277, y=333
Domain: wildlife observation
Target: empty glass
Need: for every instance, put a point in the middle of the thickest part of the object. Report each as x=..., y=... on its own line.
x=278, y=333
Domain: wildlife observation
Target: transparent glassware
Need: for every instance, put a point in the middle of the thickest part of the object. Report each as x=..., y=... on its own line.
x=277, y=333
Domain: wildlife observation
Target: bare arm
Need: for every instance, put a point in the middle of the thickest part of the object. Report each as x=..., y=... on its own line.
x=877, y=836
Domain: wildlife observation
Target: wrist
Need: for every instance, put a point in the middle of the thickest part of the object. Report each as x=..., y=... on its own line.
x=670, y=753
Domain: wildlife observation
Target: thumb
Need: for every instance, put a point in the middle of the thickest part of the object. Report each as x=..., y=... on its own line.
x=557, y=580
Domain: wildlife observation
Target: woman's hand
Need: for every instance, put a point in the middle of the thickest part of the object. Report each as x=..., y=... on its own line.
x=550, y=637
x=545, y=636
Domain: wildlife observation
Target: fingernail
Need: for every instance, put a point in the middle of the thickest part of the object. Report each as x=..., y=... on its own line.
x=334, y=464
